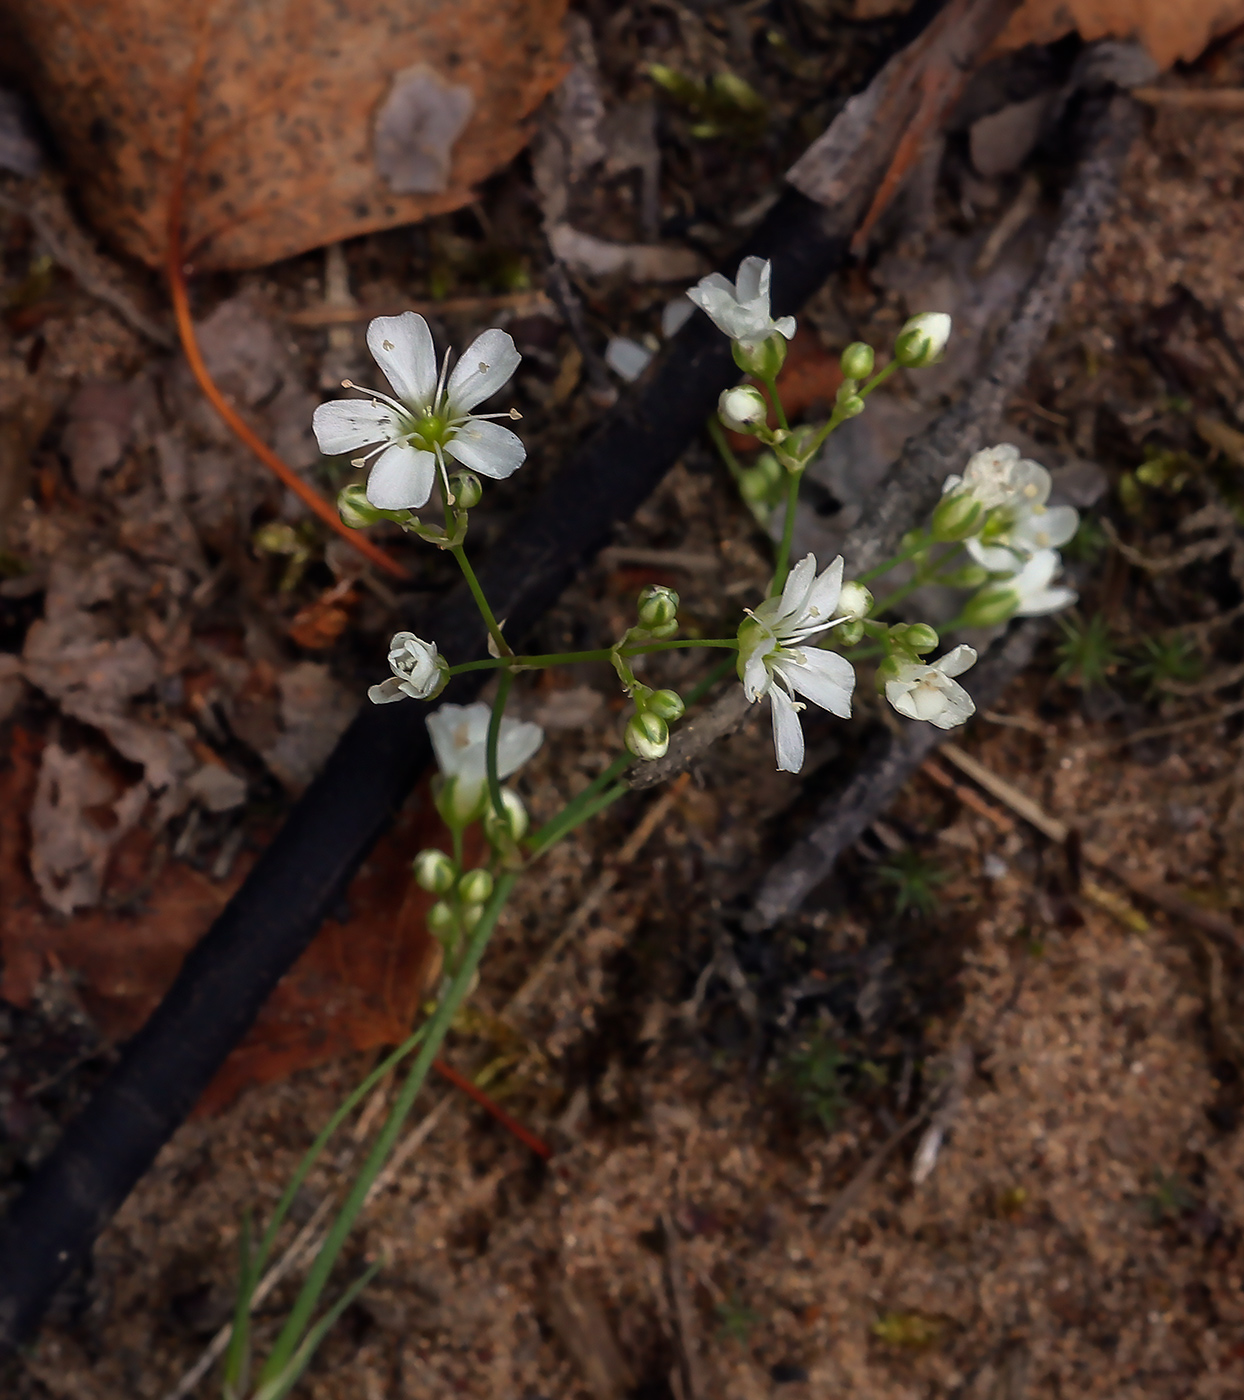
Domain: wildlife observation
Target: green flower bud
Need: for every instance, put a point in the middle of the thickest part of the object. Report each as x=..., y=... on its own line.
x=957, y=516
x=455, y=812
x=851, y=633
x=991, y=606
x=922, y=341
x=761, y=359
x=658, y=606
x=647, y=735
x=857, y=360
x=470, y=915
x=970, y=576
x=513, y=822
x=475, y=887
x=441, y=919
x=769, y=468
x=467, y=488
x=434, y=871
x=917, y=637
x=755, y=485
x=743, y=409
x=855, y=601
x=666, y=703
x=850, y=407
x=356, y=511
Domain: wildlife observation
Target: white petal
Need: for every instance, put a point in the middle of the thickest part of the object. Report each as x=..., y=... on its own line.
x=401, y=478
x=487, y=448
x=798, y=586
x=756, y=677
x=957, y=707
x=785, y=326
x=824, y=677
x=823, y=597
x=1037, y=572
x=1061, y=522
x=442, y=727
x=517, y=742
x=899, y=694
x=386, y=692
x=485, y=367
x=402, y=347
x=955, y=662
x=1031, y=483
x=1048, y=600
x=787, y=733
x=929, y=703
x=349, y=425
x=753, y=279
x=715, y=297
x=994, y=557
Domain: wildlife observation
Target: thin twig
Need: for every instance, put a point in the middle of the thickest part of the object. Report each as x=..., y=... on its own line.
x=1161, y=731
x=848, y=1198
x=1193, y=99
x=683, y=1311
x=1169, y=563
x=530, y=303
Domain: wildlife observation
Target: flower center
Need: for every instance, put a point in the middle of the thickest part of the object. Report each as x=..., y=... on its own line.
x=427, y=429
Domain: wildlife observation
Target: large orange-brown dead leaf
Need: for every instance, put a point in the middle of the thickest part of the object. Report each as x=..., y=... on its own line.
x=1170, y=29
x=357, y=986
x=308, y=122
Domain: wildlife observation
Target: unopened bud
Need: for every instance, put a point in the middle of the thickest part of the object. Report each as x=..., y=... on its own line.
x=511, y=824
x=467, y=489
x=470, y=915
x=857, y=360
x=850, y=633
x=355, y=510
x=755, y=486
x=658, y=606
x=957, y=516
x=915, y=636
x=441, y=919
x=922, y=341
x=475, y=887
x=970, y=576
x=667, y=704
x=991, y=606
x=647, y=735
x=762, y=359
x=855, y=601
x=434, y=871
x=850, y=407
x=743, y=409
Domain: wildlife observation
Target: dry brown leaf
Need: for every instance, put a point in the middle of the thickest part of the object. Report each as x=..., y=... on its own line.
x=307, y=123
x=355, y=988
x=1170, y=31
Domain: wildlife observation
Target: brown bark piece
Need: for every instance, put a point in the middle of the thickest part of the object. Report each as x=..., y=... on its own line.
x=1169, y=31
x=305, y=124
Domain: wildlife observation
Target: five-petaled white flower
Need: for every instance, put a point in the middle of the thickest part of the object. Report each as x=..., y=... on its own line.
x=741, y=309
x=993, y=475
x=460, y=742
x=925, y=691
x=1020, y=524
x=1031, y=586
x=774, y=660
x=406, y=437
x=418, y=672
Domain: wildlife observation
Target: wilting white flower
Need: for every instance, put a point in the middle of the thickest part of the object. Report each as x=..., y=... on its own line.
x=1021, y=524
x=926, y=691
x=1031, y=585
x=460, y=742
x=741, y=309
x=992, y=476
x=406, y=437
x=418, y=672
x=922, y=340
x=774, y=661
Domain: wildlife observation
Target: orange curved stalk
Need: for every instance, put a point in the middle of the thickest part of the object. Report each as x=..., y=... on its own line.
x=472, y=1090
x=190, y=346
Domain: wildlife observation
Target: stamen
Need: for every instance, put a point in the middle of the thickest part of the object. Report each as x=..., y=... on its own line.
x=440, y=383
x=450, y=498
x=347, y=383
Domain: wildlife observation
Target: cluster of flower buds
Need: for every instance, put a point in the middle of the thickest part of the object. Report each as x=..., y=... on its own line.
x=462, y=894
x=647, y=731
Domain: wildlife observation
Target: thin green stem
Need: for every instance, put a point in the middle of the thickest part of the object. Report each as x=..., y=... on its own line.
x=922, y=541
x=436, y=1029
x=570, y=658
x=782, y=567
x=921, y=577
x=494, y=629
x=718, y=435
x=552, y=830
x=504, y=682
x=771, y=385
x=879, y=378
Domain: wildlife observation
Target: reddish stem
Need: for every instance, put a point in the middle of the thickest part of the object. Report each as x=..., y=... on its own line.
x=472, y=1090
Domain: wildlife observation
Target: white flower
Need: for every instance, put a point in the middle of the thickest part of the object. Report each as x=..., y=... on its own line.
x=922, y=341
x=418, y=672
x=407, y=437
x=1031, y=585
x=992, y=475
x=1021, y=524
x=741, y=309
x=774, y=661
x=460, y=742
x=922, y=691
